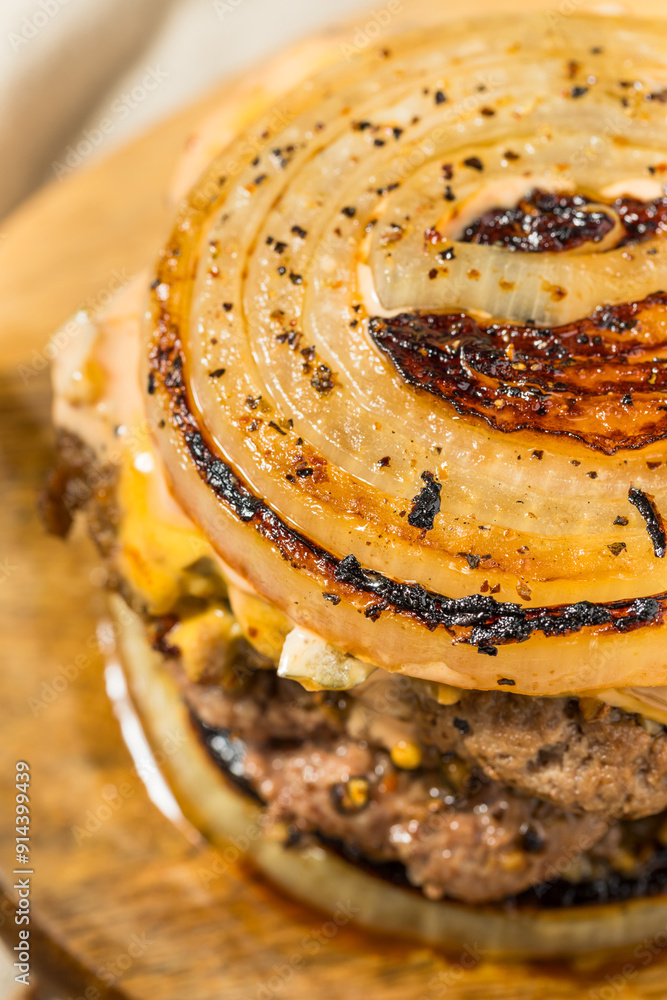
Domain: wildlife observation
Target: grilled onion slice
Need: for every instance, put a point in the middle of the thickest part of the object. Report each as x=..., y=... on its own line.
x=439, y=454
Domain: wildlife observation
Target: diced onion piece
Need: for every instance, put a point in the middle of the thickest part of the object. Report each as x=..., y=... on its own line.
x=319, y=666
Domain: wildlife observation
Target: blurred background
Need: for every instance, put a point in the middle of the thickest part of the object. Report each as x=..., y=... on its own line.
x=89, y=74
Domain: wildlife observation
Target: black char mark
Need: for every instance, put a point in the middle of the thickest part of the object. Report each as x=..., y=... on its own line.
x=477, y=620
x=426, y=504
x=547, y=221
x=573, y=380
x=648, y=510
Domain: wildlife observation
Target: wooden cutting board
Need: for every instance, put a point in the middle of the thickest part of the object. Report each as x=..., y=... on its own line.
x=122, y=902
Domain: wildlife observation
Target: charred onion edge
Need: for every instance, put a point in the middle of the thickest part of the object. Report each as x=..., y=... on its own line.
x=654, y=525
x=485, y=622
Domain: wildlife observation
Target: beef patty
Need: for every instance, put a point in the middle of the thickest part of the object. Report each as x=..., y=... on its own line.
x=583, y=756
x=319, y=765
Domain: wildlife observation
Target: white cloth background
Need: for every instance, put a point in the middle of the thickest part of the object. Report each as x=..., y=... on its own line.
x=68, y=65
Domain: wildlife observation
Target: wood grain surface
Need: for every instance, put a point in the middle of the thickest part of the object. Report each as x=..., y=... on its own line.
x=123, y=904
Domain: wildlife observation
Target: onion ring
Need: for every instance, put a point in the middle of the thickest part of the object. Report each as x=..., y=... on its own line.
x=445, y=524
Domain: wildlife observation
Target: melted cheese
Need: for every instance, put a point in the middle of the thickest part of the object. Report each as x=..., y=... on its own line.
x=263, y=625
x=651, y=703
x=206, y=642
x=154, y=552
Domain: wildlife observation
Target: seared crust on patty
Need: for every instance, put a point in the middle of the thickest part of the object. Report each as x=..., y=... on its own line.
x=607, y=762
x=581, y=756
x=456, y=832
x=79, y=481
x=472, y=848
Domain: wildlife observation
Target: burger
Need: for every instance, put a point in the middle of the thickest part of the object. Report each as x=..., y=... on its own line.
x=375, y=457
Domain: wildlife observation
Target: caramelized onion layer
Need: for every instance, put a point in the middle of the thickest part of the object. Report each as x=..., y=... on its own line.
x=482, y=473
x=601, y=379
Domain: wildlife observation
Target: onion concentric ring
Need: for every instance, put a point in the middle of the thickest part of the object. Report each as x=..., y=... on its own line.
x=422, y=447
